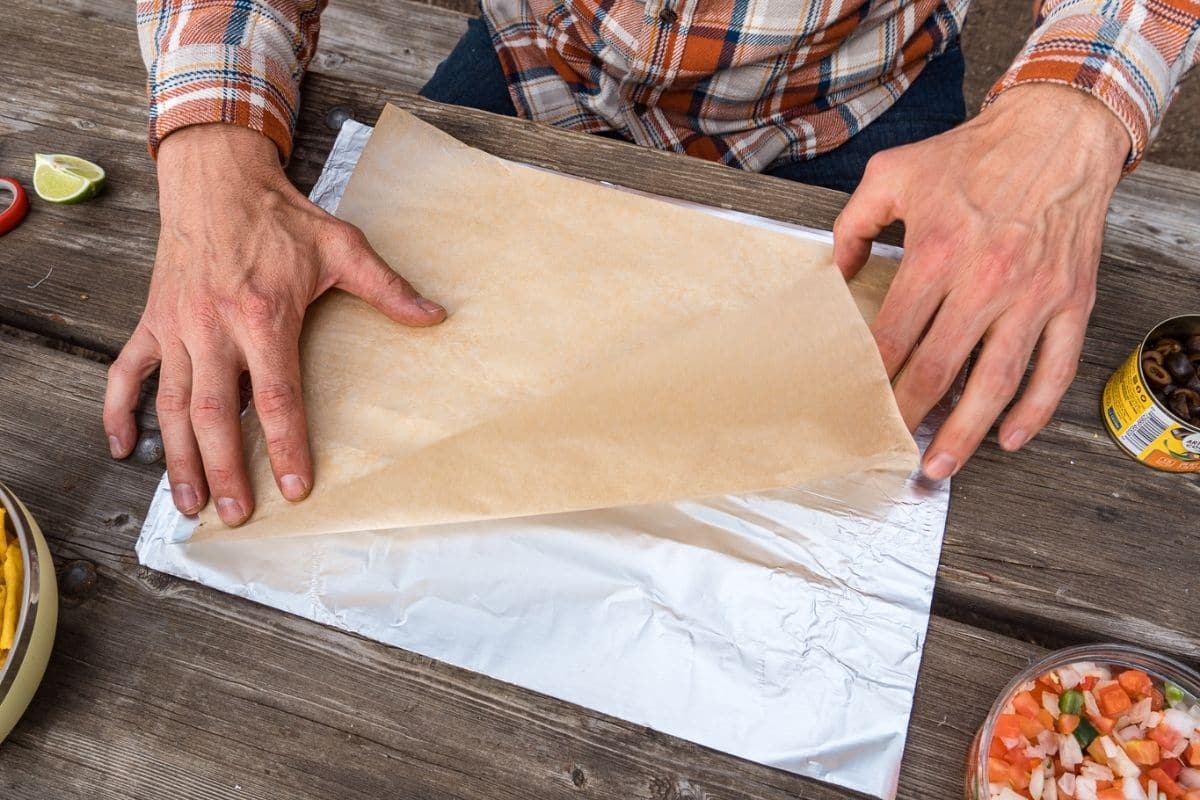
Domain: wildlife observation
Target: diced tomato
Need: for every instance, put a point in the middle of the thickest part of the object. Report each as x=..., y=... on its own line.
x=1046, y=719
x=1166, y=737
x=1192, y=754
x=1136, y=682
x=1016, y=756
x=1067, y=723
x=997, y=749
x=1192, y=794
x=1026, y=706
x=1008, y=726
x=1096, y=751
x=1143, y=751
x=1111, y=793
x=1157, y=701
x=1102, y=724
x=1171, y=766
x=1088, y=683
x=1166, y=784
x=998, y=770
x=1018, y=778
x=1049, y=681
x=1031, y=728
x=1113, y=700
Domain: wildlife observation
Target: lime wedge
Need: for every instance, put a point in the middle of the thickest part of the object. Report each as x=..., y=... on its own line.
x=66, y=179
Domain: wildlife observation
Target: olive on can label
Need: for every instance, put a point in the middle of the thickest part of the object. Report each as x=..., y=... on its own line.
x=1151, y=405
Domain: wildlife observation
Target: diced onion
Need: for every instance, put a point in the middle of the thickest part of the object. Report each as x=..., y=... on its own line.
x=1154, y=719
x=1120, y=763
x=1180, y=721
x=1085, y=788
x=1050, y=703
x=1140, y=712
x=1069, y=753
x=1037, y=782
x=1133, y=789
x=1089, y=703
x=1128, y=734
x=1066, y=783
x=1152, y=790
x=1190, y=777
x=1070, y=677
x=1097, y=772
x=1048, y=742
x=1050, y=789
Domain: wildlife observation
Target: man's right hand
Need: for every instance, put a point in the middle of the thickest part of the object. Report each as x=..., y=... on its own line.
x=241, y=254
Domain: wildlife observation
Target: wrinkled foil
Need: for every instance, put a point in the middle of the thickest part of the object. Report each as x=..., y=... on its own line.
x=785, y=628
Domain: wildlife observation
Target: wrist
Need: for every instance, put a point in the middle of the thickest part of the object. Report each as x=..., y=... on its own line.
x=216, y=157
x=1064, y=116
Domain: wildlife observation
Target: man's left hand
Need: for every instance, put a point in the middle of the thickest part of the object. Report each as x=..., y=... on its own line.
x=1004, y=218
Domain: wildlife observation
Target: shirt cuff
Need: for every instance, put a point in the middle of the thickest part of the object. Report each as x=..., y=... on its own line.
x=1105, y=58
x=197, y=84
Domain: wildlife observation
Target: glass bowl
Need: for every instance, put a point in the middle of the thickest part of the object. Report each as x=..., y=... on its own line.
x=1158, y=667
x=26, y=662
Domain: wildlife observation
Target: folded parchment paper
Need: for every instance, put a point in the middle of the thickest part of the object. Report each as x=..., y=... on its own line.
x=603, y=349
x=785, y=628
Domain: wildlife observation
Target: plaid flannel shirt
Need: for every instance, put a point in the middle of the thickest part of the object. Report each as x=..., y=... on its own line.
x=747, y=82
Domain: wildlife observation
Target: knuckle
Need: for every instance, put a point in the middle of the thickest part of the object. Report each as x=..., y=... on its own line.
x=1000, y=379
x=209, y=410
x=282, y=450
x=259, y=307
x=171, y=401
x=932, y=373
x=1061, y=372
x=277, y=399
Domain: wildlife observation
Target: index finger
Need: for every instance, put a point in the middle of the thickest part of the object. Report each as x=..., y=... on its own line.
x=137, y=360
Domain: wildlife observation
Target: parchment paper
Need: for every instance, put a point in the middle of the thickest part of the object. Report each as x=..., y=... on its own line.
x=786, y=627
x=603, y=349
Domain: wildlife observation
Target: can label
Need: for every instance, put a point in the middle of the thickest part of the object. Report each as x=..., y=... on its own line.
x=1145, y=429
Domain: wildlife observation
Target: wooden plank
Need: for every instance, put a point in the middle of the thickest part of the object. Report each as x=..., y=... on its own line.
x=1018, y=522
x=396, y=45
x=162, y=688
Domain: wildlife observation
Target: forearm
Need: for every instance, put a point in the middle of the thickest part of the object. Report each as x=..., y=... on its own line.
x=1131, y=56
x=227, y=61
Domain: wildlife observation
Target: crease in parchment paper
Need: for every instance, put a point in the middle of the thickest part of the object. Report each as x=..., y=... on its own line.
x=602, y=349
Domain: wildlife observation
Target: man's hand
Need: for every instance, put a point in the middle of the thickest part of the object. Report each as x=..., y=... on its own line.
x=241, y=254
x=1003, y=219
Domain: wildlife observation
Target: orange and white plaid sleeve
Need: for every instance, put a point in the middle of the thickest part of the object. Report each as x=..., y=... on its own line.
x=1129, y=54
x=233, y=61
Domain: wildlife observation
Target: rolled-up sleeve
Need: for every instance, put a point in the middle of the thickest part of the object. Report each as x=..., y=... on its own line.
x=234, y=61
x=1131, y=55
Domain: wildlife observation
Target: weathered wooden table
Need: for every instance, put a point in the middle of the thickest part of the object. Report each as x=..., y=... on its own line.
x=162, y=688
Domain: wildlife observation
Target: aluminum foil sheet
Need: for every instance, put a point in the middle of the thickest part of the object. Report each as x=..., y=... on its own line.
x=785, y=628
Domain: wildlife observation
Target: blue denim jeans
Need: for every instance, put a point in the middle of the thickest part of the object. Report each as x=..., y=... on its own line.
x=472, y=76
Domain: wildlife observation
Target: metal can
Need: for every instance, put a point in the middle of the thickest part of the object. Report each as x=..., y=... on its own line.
x=1137, y=419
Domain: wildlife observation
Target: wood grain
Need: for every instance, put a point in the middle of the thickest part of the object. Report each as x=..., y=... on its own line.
x=1039, y=539
x=163, y=688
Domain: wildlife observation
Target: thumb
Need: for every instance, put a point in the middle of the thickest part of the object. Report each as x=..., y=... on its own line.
x=870, y=209
x=364, y=274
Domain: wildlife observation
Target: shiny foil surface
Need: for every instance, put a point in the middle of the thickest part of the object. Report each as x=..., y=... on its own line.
x=785, y=628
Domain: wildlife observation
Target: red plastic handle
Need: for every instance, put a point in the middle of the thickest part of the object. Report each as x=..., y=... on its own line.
x=17, y=209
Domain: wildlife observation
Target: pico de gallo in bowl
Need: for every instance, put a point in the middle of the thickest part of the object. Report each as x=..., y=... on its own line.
x=1104, y=722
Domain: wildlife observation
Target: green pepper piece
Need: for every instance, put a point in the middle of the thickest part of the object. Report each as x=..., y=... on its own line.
x=1173, y=694
x=1071, y=702
x=1085, y=732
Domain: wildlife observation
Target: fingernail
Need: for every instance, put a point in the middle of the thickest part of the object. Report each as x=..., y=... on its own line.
x=114, y=447
x=186, y=498
x=293, y=487
x=940, y=467
x=1016, y=439
x=428, y=305
x=230, y=511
